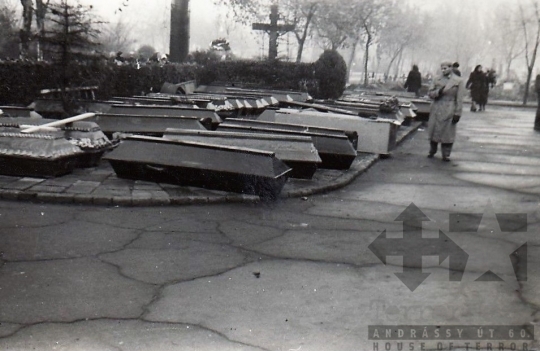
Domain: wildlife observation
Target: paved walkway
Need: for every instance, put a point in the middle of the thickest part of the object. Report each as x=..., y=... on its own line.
x=294, y=274
x=101, y=186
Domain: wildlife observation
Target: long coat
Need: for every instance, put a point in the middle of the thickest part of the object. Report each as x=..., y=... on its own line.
x=413, y=82
x=478, y=83
x=444, y=107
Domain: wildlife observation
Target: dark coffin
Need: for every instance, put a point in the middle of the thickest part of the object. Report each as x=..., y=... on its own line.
x=144, y=100
x=218, y=104
x=53, y=108
x=199, y=100
x=15, y=111
x=144, y=124
x=297, y=152
x=171, y=111
x=179, y=88
x=246, y=105
x=423, y=107
x=238, y=170
x=280, y=95
x=37, y=155
x=335, y=151
x=269, y=114
x=86, y=135
x=406, y=107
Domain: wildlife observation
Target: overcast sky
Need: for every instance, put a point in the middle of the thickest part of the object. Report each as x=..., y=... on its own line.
x=150, y=21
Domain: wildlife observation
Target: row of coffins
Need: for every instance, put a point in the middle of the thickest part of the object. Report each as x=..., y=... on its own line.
x=420, y=105
x=189, y=140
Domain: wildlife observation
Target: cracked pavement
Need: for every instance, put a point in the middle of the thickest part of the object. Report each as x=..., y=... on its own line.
x=296, y=274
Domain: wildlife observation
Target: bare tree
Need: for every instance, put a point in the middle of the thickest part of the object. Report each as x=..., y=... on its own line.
x=117, y=36
x=301, y=13
x=334, y=24
x=401, y=35
x=507, y=37
x=372, y=16
x=530, y=24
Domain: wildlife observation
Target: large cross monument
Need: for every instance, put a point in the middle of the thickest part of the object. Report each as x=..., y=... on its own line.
x=274, y=30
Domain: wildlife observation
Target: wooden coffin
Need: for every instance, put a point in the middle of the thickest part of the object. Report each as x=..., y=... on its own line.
x=202, y=165
x=280, y=95
x=297, y=152
x=37, y=155
x=86, y=135
x=335, y=151
x=374, y=136
x=171, y=111
x=350, y=134
x=15, y=111
x=144, y=124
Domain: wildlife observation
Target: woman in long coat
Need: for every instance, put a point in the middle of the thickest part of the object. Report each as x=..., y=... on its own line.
x=414, y=81
x=478, y=84
x=447, y=92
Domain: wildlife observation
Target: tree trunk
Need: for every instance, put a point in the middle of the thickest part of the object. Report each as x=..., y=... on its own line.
x=351, y=59
x=526, y=94
x=366, y=59
x=26, y=30
x=41, y=11
x=302, y=39
x=399, y=63
x=396, y=55
x=530, y=67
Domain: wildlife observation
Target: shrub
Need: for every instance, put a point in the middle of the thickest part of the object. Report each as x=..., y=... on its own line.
x=22, y=81
x=331, y=72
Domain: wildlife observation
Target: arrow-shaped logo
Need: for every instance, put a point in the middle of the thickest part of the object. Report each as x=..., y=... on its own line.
x=413, y=246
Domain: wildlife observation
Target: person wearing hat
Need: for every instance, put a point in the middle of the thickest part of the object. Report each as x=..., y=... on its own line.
x=446, y=91
x=455, y=69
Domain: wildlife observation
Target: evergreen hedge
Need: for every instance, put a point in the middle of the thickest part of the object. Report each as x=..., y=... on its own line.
x=21, y=82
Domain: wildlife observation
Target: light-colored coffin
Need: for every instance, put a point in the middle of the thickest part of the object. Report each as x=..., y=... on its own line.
x=374, y=136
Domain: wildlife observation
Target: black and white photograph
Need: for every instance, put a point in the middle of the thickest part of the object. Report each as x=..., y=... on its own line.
x=269, y=175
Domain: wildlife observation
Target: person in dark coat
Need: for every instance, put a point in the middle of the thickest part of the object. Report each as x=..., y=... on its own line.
x=478, y=85
x=414, y=81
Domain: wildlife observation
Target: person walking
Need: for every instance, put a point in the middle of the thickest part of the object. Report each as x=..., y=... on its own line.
x=447, y=92
x=479, y=87
x=414, y=81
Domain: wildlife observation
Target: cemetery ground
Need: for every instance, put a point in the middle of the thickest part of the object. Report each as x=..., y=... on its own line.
x=299, y=273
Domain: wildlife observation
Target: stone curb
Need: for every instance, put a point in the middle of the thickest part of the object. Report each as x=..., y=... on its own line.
x=135, y=201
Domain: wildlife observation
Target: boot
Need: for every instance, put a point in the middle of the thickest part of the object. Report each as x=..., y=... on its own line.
x=432, y=149
x=446, y=149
